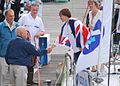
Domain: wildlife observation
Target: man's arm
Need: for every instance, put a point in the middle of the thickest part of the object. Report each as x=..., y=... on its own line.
x=32, y=51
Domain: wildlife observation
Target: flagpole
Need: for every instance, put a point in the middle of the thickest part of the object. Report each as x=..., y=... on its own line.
x=109, y=66
x=112, y=26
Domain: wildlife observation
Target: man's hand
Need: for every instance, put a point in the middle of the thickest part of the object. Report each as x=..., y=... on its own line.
x=49, y=50
x=53, y=46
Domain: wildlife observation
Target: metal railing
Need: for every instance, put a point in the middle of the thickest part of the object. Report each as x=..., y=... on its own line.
x=60, y=76
x=66, y=72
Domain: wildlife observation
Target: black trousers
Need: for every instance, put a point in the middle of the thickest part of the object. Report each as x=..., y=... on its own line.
x=30, y=75
x=116, y=38
x=76, y=55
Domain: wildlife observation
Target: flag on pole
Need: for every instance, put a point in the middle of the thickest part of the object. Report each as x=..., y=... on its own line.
x=107, y=26
x=96, y=50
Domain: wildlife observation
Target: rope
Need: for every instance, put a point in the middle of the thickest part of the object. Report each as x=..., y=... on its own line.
x=37, y=64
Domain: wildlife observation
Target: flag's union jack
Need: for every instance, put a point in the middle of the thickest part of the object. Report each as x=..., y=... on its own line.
x=79, y=31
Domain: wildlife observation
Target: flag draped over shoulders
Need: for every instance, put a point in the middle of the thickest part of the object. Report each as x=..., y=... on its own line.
x=79, y=31
x=63, y=40
x=82, y=34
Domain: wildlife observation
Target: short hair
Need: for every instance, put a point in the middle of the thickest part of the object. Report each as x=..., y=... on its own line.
x=35, y=4
x=8, y=10
x=65, y=12
x=19, y=30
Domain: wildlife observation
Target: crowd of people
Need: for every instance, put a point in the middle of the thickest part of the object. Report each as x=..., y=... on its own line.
x=19, y=29
x=12, y=29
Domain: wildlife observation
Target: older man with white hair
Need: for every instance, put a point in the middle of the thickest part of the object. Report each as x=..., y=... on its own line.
x=35, y=26
x=19, y=56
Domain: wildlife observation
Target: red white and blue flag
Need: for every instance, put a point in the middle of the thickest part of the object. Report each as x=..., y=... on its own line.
x=82, y=34
x=63, y=40
x=79, y=31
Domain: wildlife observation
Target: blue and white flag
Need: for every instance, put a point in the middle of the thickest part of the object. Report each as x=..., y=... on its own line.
x=96, y=50
x=107, y=26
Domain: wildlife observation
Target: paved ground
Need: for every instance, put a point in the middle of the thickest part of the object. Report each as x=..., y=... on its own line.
x=48, y=72
x=52, y=26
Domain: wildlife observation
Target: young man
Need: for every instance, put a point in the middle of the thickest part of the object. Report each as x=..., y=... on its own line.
x=19, y=56
x=73, y=29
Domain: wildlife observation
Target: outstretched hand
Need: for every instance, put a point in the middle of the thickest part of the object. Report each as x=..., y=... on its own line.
x=53, y=46
x=49, y=50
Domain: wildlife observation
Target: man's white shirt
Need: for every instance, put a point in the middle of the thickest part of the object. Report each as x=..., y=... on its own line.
x=32, y=25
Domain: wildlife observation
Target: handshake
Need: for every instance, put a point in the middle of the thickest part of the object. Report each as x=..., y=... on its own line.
x=49, y=50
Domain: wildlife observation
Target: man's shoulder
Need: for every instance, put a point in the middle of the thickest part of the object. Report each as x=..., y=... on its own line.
x=25, y=16
x=16, y=23
x=74, y=20
x=38, y=18
x=21, y=41
x=25, y=42
x=1, y=23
